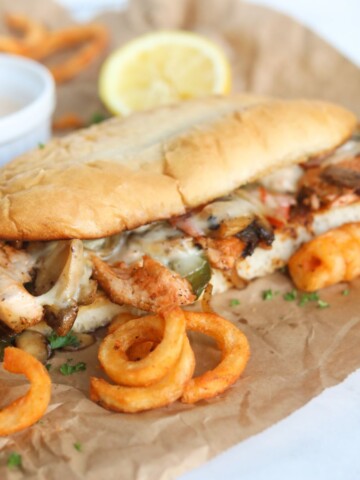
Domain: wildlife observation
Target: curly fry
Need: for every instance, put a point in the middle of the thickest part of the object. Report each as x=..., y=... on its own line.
x=97, y=37
x=328, y=259
x=235, y=351
x=68, y=121
x=33, y=41
x=26, y=410
x=39, y=43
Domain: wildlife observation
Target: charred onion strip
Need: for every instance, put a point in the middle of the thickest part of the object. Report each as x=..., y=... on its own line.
x=27, y=410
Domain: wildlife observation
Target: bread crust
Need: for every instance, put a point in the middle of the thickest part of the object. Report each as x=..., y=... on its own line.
x=153, y=165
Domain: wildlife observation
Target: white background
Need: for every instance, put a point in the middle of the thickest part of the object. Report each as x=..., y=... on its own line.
x=321, y=441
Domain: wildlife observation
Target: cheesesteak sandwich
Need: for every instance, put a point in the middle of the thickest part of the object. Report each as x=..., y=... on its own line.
x=144, y=212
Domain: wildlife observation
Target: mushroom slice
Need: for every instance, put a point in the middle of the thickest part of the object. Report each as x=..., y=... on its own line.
x=34, y=343
x=61, y=319
x=62, y=300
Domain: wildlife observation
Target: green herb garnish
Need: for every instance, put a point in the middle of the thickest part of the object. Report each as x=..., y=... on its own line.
x=67, y=369
x=269, y=294
x=290, y=296
x=41, y=146
x=308, y=297
x=14, y=460
x=322, y=304
x=234, y=302
x=78, y=446
x=48, y=367
x=56, y=341
x=345, y=292
x=97, y=117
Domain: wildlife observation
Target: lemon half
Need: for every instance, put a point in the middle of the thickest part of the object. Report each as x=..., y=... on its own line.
x=161, y=68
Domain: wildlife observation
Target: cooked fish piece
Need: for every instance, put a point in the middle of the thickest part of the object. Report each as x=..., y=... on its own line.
x=286, y=242
x=147, y=285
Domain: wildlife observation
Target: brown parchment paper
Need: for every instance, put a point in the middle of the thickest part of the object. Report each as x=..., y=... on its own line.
x=296, y=351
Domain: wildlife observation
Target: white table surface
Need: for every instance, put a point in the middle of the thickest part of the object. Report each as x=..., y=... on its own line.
x=320, y=441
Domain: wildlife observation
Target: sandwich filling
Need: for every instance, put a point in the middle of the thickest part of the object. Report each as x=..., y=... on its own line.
x=246, y=234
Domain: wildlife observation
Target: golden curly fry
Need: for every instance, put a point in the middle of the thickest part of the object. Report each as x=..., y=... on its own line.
x=32, y=42
x=68, y=121
x=328, y=259
x=235, y=355
x=27, y=410
x=118, y=320
x=39, y=43
x=112, y=351
x=135, y=399
x=95, y=38
x=140, y=350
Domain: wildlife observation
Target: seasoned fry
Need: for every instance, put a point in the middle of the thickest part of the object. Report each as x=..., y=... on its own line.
x=328, y=259
x=97, y=39
x=31, y=44
x=136, y=399
x=152, y=362
x=118, y=320
x=235, y=354
x=27, y=410
x=138, y=351
x=112, y=351
x=39, y=43
x=68, y=121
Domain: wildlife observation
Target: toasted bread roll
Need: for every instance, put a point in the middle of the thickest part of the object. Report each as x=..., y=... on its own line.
x=128, y=172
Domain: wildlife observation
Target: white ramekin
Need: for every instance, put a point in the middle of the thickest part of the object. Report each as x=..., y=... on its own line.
x=29, y=87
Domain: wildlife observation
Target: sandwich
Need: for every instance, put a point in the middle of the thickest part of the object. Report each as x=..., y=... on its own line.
x=140, y=213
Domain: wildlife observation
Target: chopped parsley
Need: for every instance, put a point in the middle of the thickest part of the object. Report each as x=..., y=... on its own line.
x=97, y=117
x=14, y=460
x=41, y=146
x=234, y=302
x=267, y=294
x=322, y=304
x=305, y=298
x=48, y=367
x=290, y=296
x=56, y=341
x=308, y=297
x=345, y=292
x=78, y=446
x=67, y=369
